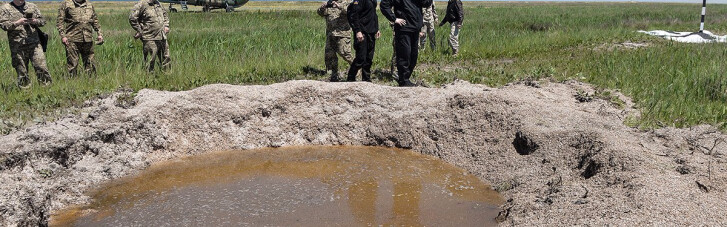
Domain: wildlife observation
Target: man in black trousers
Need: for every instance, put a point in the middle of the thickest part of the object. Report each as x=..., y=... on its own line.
x=365, y=26
x=408, y=21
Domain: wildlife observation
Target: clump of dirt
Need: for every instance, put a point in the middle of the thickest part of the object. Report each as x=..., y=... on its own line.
x=523, y=144
x=577, y=164
x=540, y=26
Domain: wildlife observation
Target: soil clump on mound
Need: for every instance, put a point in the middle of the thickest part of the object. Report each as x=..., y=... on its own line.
x=557, y=158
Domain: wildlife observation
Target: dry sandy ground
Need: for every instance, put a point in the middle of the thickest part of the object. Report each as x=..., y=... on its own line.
x=558, y=161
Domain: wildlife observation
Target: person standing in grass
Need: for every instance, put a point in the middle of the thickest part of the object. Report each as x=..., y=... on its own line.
x=151, y=23
x=338, y=35
x=21, y=20
x=408, y=21
x=365, y=24
x=77, y=21
x=455, y=16
x=430, y=19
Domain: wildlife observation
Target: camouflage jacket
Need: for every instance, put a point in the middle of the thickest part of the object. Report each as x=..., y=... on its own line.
x=23, y=34
x=149, y=18
x=77, y=21
x=336, y=19
x=430, y=14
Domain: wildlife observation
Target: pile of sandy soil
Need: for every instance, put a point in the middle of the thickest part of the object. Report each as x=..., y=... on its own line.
x=559, y=158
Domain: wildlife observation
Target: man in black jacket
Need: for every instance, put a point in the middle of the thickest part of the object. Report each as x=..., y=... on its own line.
x=455, y=16
x=408, y=20
x=365, y=26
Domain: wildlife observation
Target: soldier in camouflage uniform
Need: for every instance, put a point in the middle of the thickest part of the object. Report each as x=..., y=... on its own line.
x=76, y=23
x=338, y=35
x=151, y=23
x=24, y=40
x=430, y=19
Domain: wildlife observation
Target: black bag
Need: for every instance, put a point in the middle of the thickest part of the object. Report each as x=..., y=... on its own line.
x=43, y=37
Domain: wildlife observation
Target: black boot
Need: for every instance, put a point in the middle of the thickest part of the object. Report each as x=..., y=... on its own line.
x=406, y=83
x=366, y=78
x=334, y=76
x=351, y=78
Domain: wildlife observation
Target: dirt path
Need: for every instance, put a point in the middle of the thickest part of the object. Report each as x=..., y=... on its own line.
x=558, y=161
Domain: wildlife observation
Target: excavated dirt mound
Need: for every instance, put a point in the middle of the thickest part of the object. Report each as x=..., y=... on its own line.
x=557, y=157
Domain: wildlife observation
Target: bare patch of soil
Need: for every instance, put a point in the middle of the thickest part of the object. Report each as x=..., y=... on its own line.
x=621, y=46
x=556, y=160
x=452, y=67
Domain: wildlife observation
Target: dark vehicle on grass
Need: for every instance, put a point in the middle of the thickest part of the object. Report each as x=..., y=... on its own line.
x=207, y=5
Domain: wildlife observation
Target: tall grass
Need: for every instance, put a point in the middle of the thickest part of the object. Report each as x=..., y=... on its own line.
x=674, y=84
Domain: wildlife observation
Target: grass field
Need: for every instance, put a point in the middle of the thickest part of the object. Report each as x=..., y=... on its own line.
x=673, y=84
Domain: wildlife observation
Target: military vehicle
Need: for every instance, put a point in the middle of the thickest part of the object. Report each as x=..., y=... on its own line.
x=207, y=5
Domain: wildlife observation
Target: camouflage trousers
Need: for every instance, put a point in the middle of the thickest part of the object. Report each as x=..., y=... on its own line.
x=454, y=37
x=85, y=51
x=21, y=55
x=337, y=45
x=156, y=50
x=428, y=30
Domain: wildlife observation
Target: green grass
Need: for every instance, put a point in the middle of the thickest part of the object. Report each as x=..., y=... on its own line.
x=673, y=84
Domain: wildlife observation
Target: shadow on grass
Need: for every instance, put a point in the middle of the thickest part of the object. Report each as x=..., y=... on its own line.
x=310, y=70
x=384, y=75
x=9, y=87
x=389, y=76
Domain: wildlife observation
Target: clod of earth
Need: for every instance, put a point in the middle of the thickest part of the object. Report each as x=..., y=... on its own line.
x=588, y=167
x=523, y=144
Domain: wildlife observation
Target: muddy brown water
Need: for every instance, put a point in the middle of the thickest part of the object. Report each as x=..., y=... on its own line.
x=300, y=186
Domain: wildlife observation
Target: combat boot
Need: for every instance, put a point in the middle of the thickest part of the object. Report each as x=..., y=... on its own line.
x=351, y=79
x=334, y=76
x=366, y=78
x=24, y=82
x=406, y=83
x=45, y=80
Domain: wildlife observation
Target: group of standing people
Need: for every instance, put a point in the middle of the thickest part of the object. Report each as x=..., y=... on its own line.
x=77, y=22
x=412, y=20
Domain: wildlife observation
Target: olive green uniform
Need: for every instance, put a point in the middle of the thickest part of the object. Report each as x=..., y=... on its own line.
x=338, y=35
x=149, y=18
x=24, y=42
x=77, y=22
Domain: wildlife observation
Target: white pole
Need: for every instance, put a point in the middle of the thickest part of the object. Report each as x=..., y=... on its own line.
x=704, y=11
